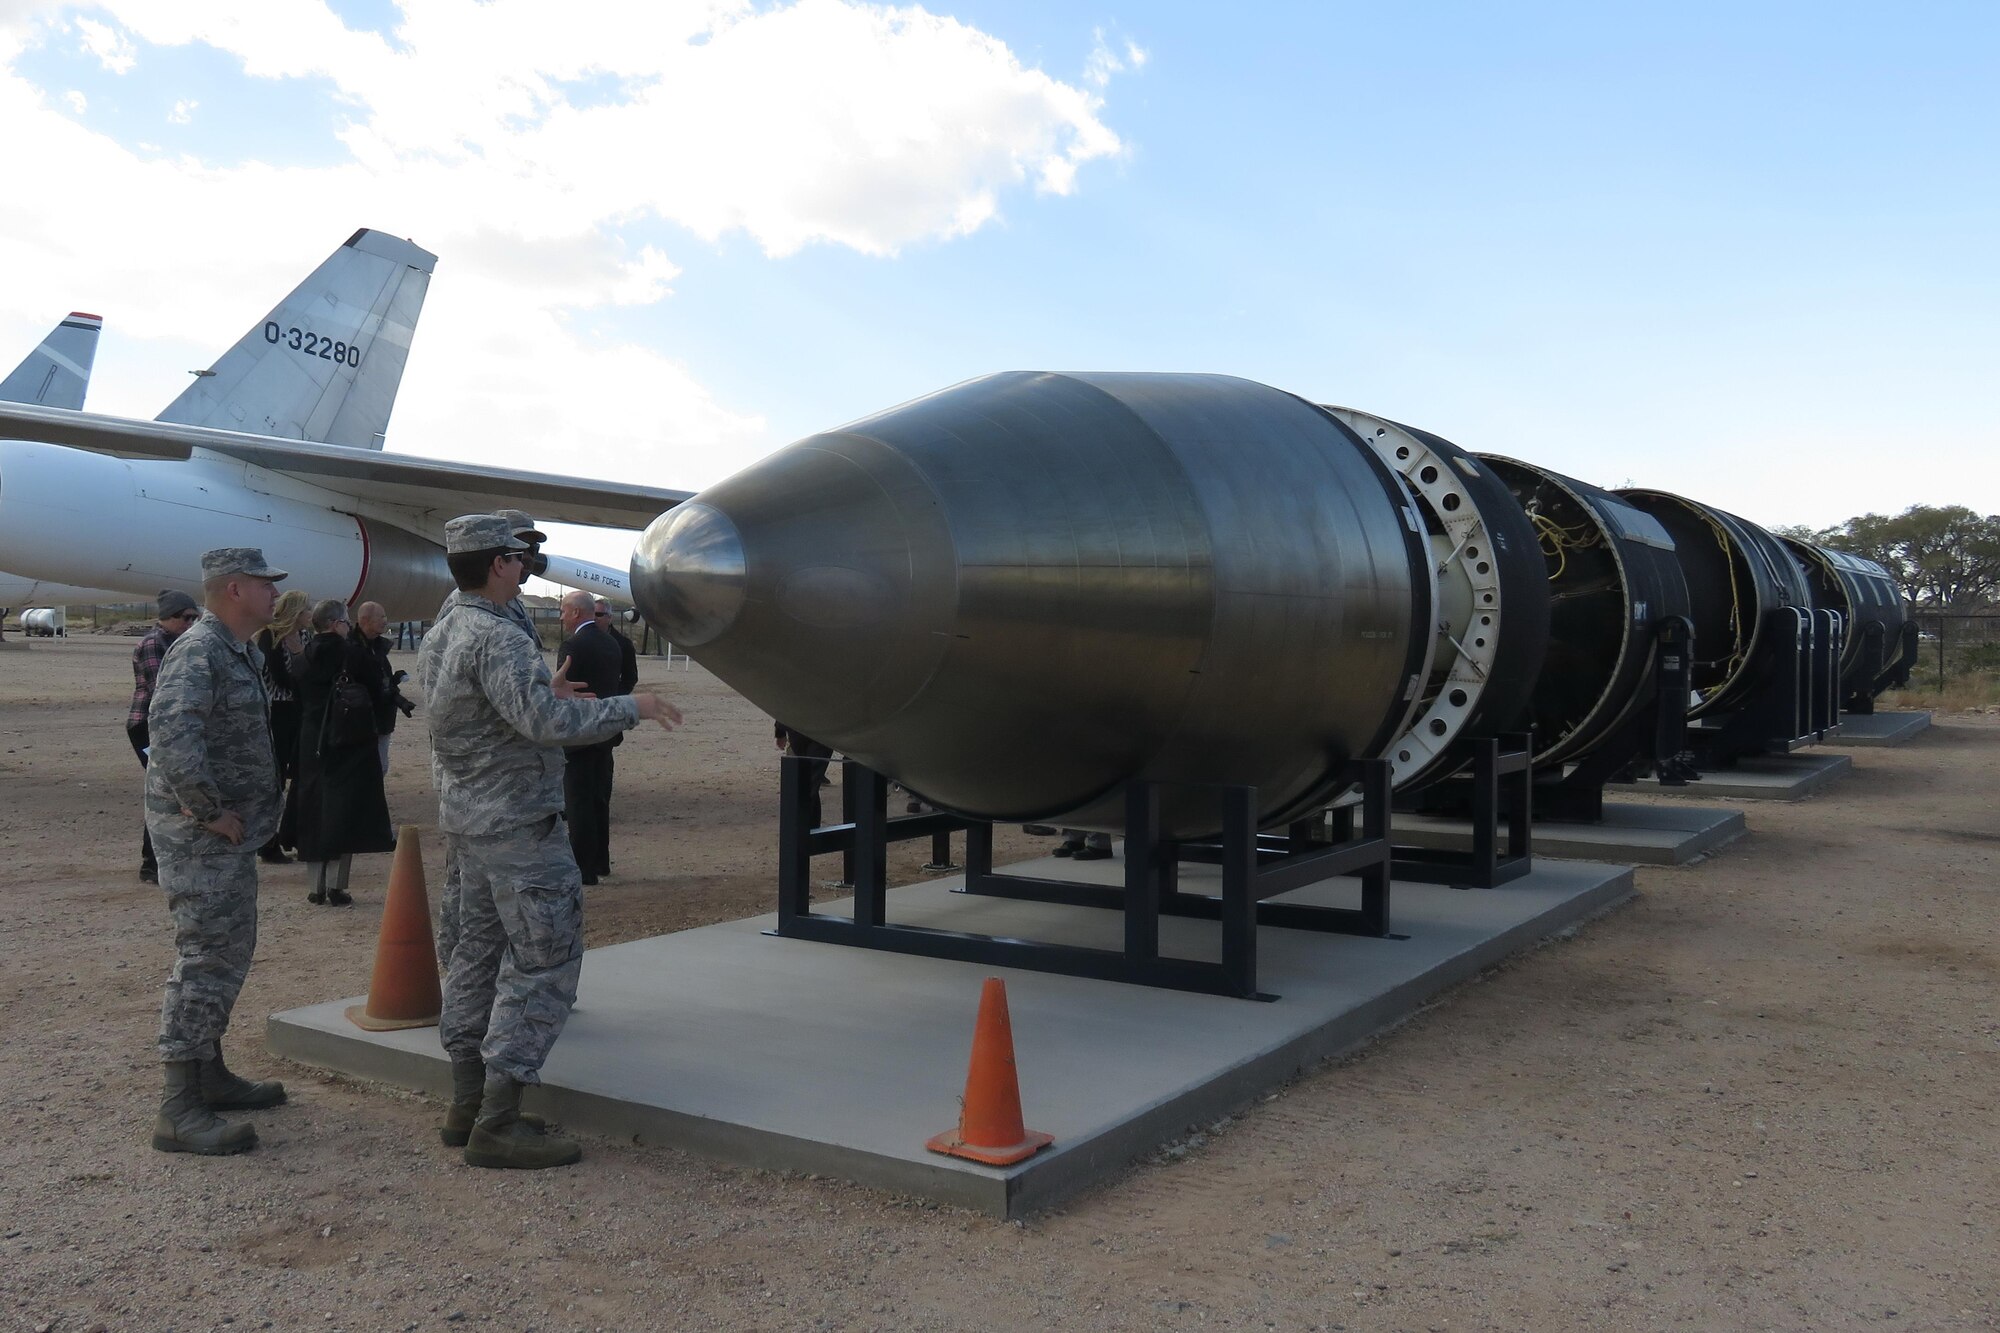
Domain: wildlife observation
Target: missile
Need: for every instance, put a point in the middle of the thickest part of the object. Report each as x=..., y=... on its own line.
x=1022, y=593
x=1737, y=576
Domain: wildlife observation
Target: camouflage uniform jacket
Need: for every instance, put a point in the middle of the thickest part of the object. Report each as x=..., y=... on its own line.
x=497, y=729
x=210, y=727
x=515, y=610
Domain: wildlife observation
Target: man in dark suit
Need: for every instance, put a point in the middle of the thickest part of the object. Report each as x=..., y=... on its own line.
x=628, y=656
x=590, y=656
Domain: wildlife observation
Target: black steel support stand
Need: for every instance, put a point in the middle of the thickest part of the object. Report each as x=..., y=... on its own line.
x=1898, y=675
x=862, y=839
x=1829, y=642
x=850, y=791
x=1792, y=706
x=1254, y=868
x=1501, y=791
x=1870, y=664
x=1673, y=682
x=941, y=853
x=1653, y=737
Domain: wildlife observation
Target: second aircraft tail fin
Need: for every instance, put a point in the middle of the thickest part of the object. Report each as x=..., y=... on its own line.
x=57, y=373
x=325, y=365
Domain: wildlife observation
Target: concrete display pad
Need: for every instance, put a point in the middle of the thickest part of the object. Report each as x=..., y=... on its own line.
x=1646, y=835
x=791, y=1055
x=1880, y=728
x=1764, y=777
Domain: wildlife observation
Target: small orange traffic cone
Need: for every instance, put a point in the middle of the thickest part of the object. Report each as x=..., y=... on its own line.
x=403, y=993
x=989, y=1122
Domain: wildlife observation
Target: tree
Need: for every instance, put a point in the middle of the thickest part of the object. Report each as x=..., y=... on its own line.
x=1943, y=556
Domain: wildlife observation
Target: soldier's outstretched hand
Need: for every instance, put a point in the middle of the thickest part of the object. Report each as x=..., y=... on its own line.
x=565, y=688
x=653, y=708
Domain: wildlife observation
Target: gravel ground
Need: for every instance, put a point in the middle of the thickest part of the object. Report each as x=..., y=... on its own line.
x=1762, y=1096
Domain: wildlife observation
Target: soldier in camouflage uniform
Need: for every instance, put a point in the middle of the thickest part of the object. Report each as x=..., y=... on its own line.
x=211, y=802
x=524, y=530
x=498, y=722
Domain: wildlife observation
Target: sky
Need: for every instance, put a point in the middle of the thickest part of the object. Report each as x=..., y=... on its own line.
x=1743, y=251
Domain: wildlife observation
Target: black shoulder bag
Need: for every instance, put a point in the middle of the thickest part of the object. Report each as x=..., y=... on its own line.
x=350, y=715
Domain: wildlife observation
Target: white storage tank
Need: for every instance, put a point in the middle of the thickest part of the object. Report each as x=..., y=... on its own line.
x=45, y=622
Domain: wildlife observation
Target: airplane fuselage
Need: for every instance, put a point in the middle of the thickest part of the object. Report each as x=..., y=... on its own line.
x=141, y=525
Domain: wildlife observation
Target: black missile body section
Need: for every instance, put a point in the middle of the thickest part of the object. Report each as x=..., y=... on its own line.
x=1881, y=640
x=1766, y=662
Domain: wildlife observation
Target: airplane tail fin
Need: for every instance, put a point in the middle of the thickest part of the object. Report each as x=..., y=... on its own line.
x=325, y=365
x=57, y=373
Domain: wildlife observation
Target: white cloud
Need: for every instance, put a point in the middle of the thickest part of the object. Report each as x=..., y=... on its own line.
x=112, y=48
x=183, y=111
x=1104, y=62
x=821, y=121
x=524, y=147
x=21, y=14
x=76, y=101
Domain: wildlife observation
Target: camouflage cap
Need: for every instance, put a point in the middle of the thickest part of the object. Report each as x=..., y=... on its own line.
x=481, y=532
x=224, y=561
x=524, y=527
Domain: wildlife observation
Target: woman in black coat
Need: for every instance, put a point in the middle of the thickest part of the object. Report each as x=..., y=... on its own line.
x=342, y=807
x=281, y=642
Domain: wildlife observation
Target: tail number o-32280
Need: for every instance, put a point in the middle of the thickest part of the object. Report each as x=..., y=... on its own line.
x=300, y=340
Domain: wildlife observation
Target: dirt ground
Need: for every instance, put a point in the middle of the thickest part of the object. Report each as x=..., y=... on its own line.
x=1762, y=1096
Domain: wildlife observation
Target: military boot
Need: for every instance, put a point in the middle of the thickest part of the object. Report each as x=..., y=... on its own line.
x=468, y=1087
x=503, y=1137
x=224, y=1091
x=187, y=1125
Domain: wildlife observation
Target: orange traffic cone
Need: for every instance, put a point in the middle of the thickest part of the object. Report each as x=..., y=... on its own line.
x=403, y=993
x=989, y=1122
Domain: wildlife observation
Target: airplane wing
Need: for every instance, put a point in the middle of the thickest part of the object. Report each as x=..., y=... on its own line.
x=437, y=486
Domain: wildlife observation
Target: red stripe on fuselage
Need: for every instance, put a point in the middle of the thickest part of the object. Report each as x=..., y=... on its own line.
x=361, y=527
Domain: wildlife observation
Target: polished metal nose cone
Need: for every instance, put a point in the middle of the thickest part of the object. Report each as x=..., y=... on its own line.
x=819, y=582
x=1019, y=593
x=691, y=563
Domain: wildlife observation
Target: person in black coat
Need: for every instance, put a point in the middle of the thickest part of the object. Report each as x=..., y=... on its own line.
x=590, y=656
x=282, y=643
x=371, y=631
x=628, y=656
x=342, y=807
x=806, y=748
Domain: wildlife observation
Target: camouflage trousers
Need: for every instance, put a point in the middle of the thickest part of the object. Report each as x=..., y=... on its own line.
x=447, y=926
x=515, y=908
x=214, y=904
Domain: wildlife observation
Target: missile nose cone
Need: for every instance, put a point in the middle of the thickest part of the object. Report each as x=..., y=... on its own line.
x=690, y=563
x=818, y=582
x=1018, y=593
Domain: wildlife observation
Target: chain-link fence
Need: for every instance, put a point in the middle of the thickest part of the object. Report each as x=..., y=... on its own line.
x=133, y=618
x=1953, y=646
